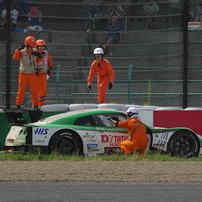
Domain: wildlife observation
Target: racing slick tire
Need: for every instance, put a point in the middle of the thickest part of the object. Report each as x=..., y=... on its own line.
x=73, y=107
x=183, y=143
x=66, y=142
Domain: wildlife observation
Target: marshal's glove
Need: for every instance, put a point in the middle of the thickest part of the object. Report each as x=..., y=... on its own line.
x=110, y=85
x=89, y=89
x=22, y=47
x=49, y=72
x=37, y=54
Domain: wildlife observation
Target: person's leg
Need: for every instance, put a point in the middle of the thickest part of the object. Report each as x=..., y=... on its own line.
x=109, y=43
x=102, y=86
x=42, y=89
x=127, y=147
x=109, y=40
x=140, y=145
x=33, y=87
x=36, y=34
x=22, y=81
x=101, y=93
x=110, y=48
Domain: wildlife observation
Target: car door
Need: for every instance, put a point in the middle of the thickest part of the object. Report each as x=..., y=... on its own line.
x=107, y=133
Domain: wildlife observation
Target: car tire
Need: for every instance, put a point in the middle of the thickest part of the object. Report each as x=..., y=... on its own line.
x=183, y=143
x=66, y=143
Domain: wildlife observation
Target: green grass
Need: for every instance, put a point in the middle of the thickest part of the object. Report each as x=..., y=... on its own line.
x=56, y=157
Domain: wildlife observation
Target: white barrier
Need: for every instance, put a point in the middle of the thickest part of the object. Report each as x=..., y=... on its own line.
x=55, y=108
x=192, y=108
x=73, y=107
x=118, y=107
x=168, y=108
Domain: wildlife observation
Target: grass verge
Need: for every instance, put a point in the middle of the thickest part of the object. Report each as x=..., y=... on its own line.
x=56, y=157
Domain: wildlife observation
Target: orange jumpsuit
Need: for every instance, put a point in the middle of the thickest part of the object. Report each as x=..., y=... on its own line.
x=105, y=75
x=139, y=140
x=26, y=75
x=42, y=69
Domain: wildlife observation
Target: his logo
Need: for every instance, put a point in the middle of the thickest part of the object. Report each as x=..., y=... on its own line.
x=41, y=131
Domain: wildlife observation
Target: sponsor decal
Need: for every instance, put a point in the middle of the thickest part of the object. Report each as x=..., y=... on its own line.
x=41, y=131
x=112, y=150
x=159, y=145
x=40, y=141
x=88, y=136
x=111, y=129
x=113, y=140
x=164, y=136
x=90, y=140
x=92, y=149
x=92, y=145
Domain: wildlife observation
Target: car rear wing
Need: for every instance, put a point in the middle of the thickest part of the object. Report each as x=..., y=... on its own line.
x=16, y=116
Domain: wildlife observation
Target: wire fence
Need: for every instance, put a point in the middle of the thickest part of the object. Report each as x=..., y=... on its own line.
x=157, y=61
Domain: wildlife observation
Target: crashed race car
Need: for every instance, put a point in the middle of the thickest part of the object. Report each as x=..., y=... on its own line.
x=89, y=132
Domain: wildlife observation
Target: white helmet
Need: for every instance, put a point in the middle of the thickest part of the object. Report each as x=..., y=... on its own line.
x=132, y=112
x=98, y=51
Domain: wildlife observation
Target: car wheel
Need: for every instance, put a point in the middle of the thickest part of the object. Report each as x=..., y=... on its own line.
x=66, y=143
x=183, y=143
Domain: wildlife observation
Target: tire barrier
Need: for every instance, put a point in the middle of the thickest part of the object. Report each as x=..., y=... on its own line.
x=55, y=107
x=73, y=107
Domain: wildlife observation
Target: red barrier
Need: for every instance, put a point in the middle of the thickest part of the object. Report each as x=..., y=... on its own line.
x=188, y=119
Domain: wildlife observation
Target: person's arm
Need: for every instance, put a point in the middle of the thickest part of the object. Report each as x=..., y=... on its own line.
x=50, y=65
x=40, y=16
x=29, y=16
x=17, y=55
x=15, y=15
x=91, y=75
x=113, y=121
x=120, y=124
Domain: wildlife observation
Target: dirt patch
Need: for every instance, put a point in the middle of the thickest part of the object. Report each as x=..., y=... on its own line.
x=100, y=172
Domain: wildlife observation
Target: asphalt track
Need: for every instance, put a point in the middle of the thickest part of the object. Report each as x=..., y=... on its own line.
x=26, y=192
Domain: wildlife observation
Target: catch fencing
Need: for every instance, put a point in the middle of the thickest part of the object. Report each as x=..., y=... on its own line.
x=156, y=63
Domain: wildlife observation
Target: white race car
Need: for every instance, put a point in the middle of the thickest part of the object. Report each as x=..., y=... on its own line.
x=89, y=132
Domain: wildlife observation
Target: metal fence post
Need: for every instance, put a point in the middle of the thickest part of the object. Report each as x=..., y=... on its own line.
x=129, y=82
x=57, y=80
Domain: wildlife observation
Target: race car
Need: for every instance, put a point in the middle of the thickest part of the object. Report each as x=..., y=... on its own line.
x=90, y=132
